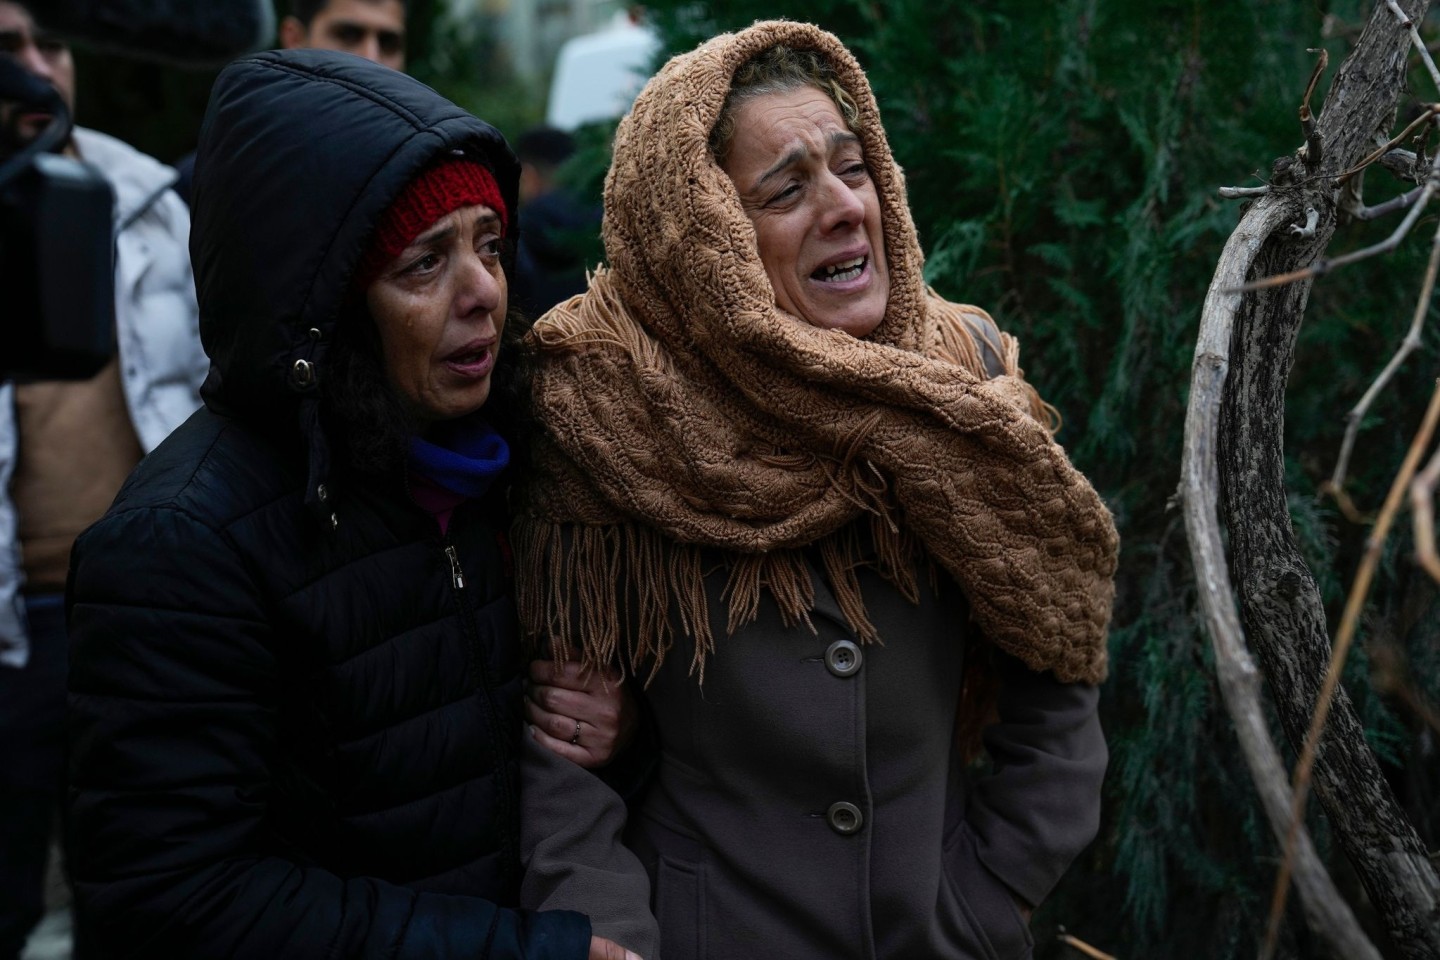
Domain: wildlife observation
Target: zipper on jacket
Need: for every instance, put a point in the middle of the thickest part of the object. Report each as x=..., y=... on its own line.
x=509, y=790
x=457, y=576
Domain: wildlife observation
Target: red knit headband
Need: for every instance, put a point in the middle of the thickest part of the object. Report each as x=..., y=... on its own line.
x=443, y=187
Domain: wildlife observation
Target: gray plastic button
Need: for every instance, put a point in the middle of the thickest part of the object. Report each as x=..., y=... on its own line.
x=845, y=818
x=843, y=658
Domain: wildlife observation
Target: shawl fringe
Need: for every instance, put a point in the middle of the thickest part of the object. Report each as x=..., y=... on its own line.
x=621, y=593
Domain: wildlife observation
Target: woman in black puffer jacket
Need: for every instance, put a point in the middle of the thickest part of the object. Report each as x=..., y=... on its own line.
x=295, y=682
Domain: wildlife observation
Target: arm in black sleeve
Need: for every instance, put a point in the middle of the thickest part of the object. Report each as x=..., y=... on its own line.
x=174, y=697
x=1039, y=807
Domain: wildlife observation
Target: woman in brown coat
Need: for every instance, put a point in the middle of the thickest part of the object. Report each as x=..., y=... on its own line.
x=817, y=510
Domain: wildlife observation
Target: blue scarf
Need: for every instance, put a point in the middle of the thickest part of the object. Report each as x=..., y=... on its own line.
x=467, y=458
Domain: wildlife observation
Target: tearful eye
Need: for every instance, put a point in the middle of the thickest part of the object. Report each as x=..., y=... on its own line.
x=424, y=264
x=786, y=194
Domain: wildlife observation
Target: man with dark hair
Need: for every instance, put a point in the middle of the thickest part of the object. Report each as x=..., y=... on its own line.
x=65, y=449
x=373, y=29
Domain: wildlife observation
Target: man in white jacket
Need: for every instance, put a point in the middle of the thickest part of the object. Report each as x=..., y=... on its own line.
x=65, y=449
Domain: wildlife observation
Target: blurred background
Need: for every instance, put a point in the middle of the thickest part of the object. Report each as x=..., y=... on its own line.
x=1063, y=161
x=496, y=57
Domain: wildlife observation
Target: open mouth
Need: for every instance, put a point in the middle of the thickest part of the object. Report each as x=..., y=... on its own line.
x=842, y=271
x=472, y=362
x=472, y=358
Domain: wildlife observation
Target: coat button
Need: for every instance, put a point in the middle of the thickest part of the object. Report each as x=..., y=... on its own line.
x=844, y=818
x=842, y=658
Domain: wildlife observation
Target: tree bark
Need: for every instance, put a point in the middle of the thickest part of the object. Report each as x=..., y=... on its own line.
x=1325, y=911
x=1279, y=601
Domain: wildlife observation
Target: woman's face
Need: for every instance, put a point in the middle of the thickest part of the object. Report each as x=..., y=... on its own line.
x=440, y=307
x=803, y=182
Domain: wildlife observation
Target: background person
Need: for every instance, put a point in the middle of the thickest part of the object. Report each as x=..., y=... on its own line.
x=559, y=225
x=817, y=508
x=65, y=449
x=296, y=684
x=373, y=29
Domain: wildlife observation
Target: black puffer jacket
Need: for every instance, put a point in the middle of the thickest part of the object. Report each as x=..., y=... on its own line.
x=292, y=736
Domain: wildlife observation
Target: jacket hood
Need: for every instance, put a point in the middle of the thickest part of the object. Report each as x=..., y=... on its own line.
x=300, y=153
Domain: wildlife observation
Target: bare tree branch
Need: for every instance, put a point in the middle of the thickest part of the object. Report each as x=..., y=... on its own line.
x=1077, y=944
x=1402, y=164
x=1359, y=590
x=1284, y=618
x=1314, y=144
x=1422, y=493
x=1323, y=265
x=1325, y=911
x=1410, y=344
x=1312, y=220
x=1359, y=211
x=1381, y=152
x=1408, y=22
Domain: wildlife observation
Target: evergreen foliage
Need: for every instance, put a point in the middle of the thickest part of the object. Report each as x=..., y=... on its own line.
x=1063, y=160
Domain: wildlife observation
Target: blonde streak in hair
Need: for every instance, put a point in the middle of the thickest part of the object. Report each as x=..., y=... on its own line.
x=848, y=108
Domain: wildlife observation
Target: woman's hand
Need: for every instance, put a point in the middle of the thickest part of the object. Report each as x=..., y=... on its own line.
x=585, y=716
x=602, y=949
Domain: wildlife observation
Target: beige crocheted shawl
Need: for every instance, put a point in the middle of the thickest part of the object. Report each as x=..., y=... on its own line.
x=683, y=410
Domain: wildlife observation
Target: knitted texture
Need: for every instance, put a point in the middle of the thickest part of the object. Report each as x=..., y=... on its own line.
x=441, y=188
x=685, y=411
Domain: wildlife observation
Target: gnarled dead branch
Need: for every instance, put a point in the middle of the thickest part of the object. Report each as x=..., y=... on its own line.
x=1245, y=353
x=1325, y=910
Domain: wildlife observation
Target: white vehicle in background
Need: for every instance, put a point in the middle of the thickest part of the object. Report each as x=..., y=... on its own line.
x=597, y=75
